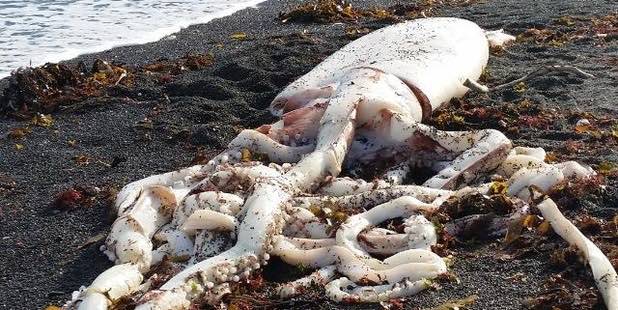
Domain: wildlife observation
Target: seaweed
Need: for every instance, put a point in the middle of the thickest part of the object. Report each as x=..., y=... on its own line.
x=567, y=29
x=560, y=293
x=585, y=135
x=332, y=214
x=69, y=199
x=53, y=87
x=604, y=234
x=472, y=217
x=356, y=32
x=190, y=62
x=571, y=195
x=457, y=207
x=239, y=36
x=463, y=303
x=333, y=11
x=82, y=196
x=45, y=89
x=464, y=115
x=322, y=11
x=544, y=36
x=564, y=257
x=19, y=133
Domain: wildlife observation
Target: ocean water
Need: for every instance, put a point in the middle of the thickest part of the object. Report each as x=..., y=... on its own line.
x=33, y=32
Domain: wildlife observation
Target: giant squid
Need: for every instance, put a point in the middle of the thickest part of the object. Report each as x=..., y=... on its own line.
x=365, y=104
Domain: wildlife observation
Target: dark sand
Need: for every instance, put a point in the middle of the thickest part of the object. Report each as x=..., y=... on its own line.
x=41, y=261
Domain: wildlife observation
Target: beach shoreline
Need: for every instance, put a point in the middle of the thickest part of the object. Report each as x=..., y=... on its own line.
x=157, y=125
x=73, y=48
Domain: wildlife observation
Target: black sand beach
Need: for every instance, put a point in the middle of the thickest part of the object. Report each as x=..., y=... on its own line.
x=161, y=123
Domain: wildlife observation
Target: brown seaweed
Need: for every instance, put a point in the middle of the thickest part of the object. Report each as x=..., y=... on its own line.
x=566, y=29
x=332, y=11
x=565, y=294
x=51, y=87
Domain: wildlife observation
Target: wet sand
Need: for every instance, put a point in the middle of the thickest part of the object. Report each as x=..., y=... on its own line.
x=157, y=126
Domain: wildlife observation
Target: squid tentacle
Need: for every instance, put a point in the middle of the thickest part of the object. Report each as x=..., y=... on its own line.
x=604, y=273
x=347, y=235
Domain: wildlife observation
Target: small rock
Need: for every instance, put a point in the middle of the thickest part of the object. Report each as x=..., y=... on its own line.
x=583, y=122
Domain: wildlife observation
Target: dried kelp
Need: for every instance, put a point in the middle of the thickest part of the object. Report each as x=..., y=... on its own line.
x=191, y=62
x=323, y=11
x=54, y=86
x=331, y=11
x=44, y=89
x=560, y=293
x=567, y=29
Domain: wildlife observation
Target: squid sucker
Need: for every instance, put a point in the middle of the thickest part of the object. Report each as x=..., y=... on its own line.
x=364, y=105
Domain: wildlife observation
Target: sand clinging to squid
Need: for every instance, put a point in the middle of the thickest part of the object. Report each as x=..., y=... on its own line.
x=221, y=222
